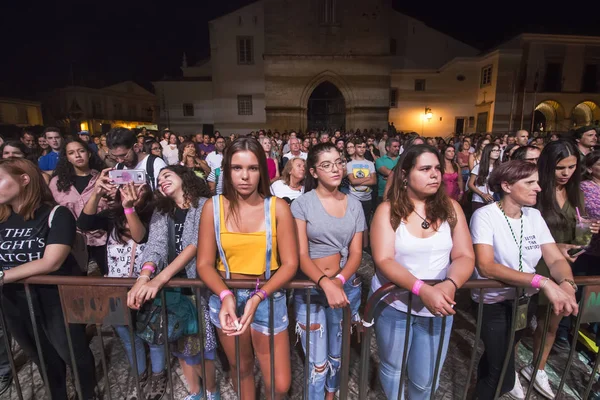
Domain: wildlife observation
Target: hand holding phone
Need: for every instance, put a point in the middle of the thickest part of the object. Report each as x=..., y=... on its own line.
x=576, y=251
x=124, y=176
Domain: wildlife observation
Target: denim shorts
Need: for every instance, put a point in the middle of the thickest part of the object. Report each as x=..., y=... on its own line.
x=261, y=317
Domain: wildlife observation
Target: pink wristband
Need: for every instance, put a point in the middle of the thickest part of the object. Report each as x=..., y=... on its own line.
x=417, y=287
x=535, y=282
x=225, y=293
x=129, y=210
x=341, y=278
x=149, y=267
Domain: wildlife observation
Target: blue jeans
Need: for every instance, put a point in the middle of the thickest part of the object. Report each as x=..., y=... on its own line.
x=326, y=341
x=260, y=323
x=423, y=343
x=157, y=352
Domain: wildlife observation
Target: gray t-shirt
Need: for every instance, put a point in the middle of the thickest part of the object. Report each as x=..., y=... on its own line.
x=360, y=169
x=328, y=235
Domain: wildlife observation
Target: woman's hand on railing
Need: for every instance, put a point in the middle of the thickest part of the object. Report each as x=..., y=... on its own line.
x=563, y=302
x=227, y=316
x=142, y=291
x=334, y=291
x=437, y=301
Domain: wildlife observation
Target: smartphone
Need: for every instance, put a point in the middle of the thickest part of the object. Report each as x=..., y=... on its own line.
x=576, y=251
x=123, y=176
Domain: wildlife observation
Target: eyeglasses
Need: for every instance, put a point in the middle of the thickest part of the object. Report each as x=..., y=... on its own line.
x=155, y=149
x=496, y=150
x=328, y=166
x=120, y=158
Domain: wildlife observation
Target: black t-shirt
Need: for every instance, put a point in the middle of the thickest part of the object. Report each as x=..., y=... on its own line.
x=81, y=182
x=179, y=220
x=24, y=241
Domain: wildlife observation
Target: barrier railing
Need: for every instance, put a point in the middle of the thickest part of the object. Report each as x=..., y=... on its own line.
x=102, y=301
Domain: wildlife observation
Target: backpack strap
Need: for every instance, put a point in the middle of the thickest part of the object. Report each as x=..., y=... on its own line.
x=217, y=223
x=171, y=252
x=51, y=216
x=150, y=171
x=120, y=166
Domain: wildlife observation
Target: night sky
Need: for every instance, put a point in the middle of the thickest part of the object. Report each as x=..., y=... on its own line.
x=104, y=42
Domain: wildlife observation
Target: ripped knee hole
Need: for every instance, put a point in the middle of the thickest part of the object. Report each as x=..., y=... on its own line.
x=313, y=327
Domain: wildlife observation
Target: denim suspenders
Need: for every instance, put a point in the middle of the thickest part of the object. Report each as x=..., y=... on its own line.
x=268, y=230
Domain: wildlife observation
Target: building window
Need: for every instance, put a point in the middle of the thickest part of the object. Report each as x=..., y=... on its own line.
x=149, y=112
x=244, y=105
x=589, y=82
x=486, y=75
x=471, y=122
x=188, y=110
x=96, y=108
x=132, y=111
x=245, y=49
x=327, y=12
x=553, y=77
x=393, y=46
x=393, y=98
x=420, y=85
x=118, y=110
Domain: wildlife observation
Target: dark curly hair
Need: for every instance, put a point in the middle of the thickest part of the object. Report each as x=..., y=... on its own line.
x=144, y=209
x=193, y=188
x=66, y=172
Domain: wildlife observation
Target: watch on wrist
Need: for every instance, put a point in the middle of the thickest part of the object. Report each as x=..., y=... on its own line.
x=1, y=277
x=570, y=282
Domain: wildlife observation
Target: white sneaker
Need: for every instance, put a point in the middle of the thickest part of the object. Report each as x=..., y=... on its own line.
x=517, y=392
x=541, y=384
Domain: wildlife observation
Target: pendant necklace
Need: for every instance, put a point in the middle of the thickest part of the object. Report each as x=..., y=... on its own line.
x=424, y=224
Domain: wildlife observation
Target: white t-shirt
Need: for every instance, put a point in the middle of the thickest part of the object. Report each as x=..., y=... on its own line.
x=214, y=160
x=281, y=190
x=216, y=176
x=484, y=188
x=158, y=165
x=488, y=226
x=289, y=155
x=171, y=155
x=360, y=169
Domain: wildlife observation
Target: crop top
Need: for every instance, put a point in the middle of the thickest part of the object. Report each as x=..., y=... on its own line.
x=246, y=252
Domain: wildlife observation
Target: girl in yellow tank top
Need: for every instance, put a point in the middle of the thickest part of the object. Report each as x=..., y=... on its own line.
x=248, y=229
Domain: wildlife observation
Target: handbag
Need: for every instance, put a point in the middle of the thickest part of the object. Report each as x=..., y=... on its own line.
x=180, y=311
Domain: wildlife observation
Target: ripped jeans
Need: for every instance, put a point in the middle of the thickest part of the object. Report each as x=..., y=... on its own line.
x=326, y=340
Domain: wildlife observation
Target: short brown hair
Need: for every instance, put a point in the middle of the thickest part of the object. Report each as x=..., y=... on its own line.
x=32, y=195
x=510, y=172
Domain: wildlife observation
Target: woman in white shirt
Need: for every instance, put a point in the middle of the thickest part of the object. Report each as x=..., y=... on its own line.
x=482, y=195
x=417, y=233
x=509, y=238
x=291, y=184
x=171, y=151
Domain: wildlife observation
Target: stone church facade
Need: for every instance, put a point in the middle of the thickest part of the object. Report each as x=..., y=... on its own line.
x=354, y=64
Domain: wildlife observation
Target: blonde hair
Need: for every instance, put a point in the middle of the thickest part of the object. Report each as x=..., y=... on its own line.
x=287, y=170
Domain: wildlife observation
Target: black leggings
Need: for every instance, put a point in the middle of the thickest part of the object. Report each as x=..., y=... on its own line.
x=495, y=334
x=53, y=337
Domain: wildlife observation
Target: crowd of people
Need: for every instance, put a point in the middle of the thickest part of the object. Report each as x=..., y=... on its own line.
x=280, y=207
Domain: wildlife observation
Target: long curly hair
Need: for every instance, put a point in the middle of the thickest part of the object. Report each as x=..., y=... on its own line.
x=66, y=172
x=438, y=207
x=193, y=189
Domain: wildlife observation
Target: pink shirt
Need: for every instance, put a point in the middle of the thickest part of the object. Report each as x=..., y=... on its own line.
x=75, y=202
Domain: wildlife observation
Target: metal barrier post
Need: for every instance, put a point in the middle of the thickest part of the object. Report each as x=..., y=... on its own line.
x=163, y=311
x=509, y=348
x=572, y=351
x=9, y=352
x=539, y=356
x=238, y=357
x=36, y=336
x=134, y=368
x=588, y=388
x=201, y=329
x=405, y=351
x=272, y=346
x=438, y=359
x=475, y=343
x=104, y=363
x=345, y=367
x=307, y=352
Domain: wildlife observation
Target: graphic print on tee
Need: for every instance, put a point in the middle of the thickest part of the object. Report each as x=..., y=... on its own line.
x=18, y=246
x=360, y=171
x=530, y=243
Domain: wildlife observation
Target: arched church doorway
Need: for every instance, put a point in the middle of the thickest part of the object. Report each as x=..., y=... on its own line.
x=326, y=108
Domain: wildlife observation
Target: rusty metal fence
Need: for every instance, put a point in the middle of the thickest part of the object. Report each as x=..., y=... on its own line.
x=103, y=301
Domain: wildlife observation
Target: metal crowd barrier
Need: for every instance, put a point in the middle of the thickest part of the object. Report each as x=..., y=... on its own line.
x=103, y=301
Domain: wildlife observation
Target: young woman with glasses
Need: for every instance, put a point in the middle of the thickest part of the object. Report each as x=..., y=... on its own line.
x=482, y=195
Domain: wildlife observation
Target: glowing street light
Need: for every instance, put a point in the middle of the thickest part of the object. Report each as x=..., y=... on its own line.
x=428, y=113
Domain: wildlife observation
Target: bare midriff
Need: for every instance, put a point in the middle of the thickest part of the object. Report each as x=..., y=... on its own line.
x=329, y=265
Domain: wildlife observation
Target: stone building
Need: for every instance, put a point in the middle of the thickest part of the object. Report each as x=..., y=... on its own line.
x=355, y=64
x=20, y=112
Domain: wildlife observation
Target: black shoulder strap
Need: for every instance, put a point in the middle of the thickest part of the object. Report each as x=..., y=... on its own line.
x=120, y=166
x=150, y=171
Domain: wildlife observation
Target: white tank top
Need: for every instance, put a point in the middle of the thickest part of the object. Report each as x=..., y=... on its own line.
x=427, y=258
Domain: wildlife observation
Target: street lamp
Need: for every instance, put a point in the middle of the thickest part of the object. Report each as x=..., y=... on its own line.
x=428, y=113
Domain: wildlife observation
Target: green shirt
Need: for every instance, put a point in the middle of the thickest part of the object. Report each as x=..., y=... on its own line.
x=389, y=163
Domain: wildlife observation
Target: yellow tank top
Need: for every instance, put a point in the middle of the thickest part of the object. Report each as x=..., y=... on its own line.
x=246, y=252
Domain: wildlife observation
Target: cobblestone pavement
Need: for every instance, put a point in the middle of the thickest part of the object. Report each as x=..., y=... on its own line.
x=452, y=383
